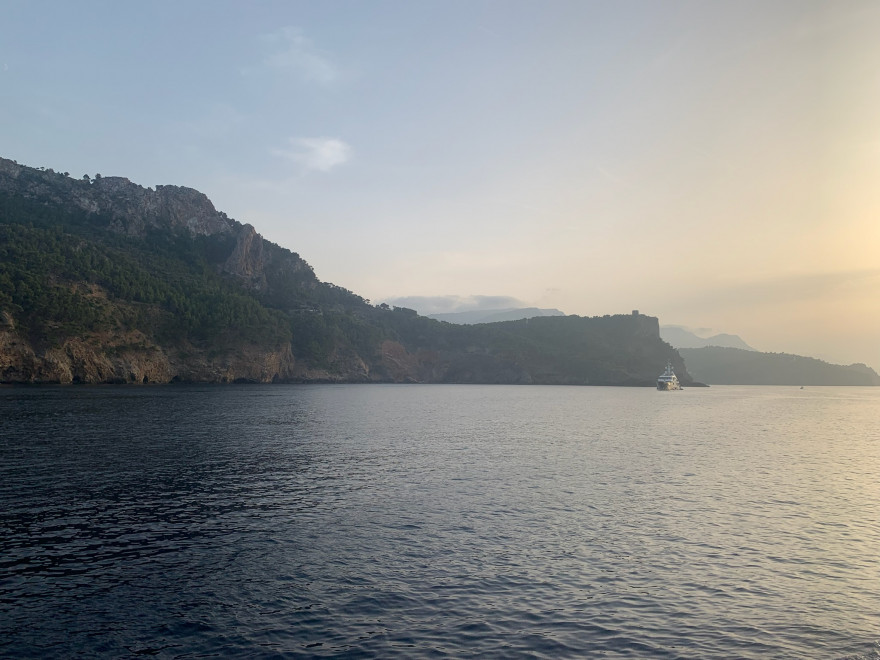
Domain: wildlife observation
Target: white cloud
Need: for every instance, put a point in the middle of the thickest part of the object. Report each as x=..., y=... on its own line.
x=456, y=303
x=321, y=154
x=290, y=50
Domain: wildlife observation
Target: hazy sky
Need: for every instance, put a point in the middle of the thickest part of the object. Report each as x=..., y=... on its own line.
x=715, y=164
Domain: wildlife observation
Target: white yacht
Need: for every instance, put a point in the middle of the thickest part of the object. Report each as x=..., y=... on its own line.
x=668, y=380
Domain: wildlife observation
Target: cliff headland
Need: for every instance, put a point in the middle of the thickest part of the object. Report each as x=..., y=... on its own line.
x=723, y=365
x=105, y=281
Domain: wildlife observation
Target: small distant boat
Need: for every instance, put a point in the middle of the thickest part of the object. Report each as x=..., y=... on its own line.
x=668, y=380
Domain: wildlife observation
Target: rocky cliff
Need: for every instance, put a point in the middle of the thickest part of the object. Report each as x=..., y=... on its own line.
x=131, y=209
x=104, y=281
x=134, y=358
x=120, y=206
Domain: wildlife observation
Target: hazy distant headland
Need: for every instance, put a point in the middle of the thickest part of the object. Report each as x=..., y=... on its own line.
x=734, y=366
x=724, y=359
x=105, y=281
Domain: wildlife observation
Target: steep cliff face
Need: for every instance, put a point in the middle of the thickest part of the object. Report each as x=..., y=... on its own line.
x=130, y=209
x=248, y=258
x=263, y=266
x=132, y=357
x=77, y=360
x=398, y=365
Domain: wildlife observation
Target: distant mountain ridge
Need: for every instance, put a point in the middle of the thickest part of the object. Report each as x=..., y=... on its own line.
x=473, y=317
x=679, y=337
x=734, y=366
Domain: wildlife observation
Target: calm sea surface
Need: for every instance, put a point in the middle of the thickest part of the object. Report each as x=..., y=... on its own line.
x=439, y=521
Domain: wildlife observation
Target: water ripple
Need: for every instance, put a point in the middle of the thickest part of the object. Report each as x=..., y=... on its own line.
x=439, y=522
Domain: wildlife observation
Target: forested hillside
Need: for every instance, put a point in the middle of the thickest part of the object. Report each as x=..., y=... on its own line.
x=102, y=280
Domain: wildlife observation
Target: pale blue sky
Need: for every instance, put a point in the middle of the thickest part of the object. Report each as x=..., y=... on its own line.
x=710, y=163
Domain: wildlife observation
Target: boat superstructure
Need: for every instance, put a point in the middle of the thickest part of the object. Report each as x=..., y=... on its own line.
x=668, y=380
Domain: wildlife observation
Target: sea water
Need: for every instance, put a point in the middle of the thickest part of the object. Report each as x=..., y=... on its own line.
x=422, y=521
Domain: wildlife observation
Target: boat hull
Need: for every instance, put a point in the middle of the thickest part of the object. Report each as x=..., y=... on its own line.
x=667, y=386
x=668, y=380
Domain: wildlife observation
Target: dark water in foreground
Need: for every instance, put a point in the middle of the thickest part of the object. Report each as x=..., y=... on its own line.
x=439, y=521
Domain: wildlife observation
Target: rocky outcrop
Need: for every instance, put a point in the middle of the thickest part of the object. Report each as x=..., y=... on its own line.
x=248, y=259
x=79, y=361
x=132, y=358
x=130, y=209
x=398, y=365
x=250, y=364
